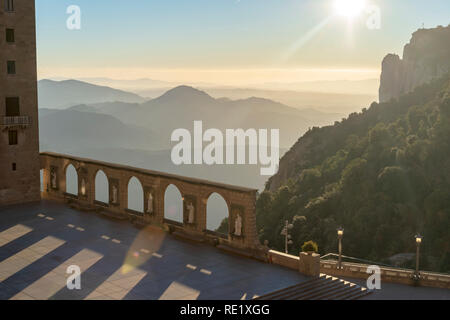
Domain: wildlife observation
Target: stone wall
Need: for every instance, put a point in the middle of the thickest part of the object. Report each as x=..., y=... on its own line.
x=239, y=200
x=283, y=259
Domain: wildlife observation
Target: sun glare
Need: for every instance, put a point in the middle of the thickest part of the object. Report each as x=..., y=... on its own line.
x=349, y=8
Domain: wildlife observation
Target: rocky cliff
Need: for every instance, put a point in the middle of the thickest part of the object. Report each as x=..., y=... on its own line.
x=425, y=58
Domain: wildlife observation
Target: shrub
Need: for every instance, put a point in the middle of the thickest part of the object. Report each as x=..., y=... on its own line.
x=310, y=246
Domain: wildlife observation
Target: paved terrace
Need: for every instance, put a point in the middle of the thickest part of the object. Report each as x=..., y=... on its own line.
x=119, y=261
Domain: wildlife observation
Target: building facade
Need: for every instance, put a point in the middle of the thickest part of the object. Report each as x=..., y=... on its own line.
x=19, y=133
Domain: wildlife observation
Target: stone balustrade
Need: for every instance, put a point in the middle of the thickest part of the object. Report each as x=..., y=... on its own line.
x=388, y=274
x=240, y=201
x=359, y=271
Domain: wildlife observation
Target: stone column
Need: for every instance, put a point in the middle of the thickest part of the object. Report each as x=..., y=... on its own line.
x=309, y=264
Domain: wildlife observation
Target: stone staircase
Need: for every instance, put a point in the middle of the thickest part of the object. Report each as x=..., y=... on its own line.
x=324, y=287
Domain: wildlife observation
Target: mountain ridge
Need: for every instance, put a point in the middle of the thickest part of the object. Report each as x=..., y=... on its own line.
x=66, y=93
x=425, y=57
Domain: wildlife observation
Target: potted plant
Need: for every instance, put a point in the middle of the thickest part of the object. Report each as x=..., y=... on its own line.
x=310, y=247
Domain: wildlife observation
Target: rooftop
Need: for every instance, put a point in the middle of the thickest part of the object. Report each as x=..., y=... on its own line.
x=120, y=261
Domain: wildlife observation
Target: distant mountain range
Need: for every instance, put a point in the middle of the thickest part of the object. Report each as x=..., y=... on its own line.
x=115, y=129
x=64, y=94
x=181, y=106
x=327, y=96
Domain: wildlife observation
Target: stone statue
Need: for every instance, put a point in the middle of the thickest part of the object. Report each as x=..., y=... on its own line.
x=191, y=212
x=238, y=225
x=150, y=203
x=53, y=177
x=114, y=194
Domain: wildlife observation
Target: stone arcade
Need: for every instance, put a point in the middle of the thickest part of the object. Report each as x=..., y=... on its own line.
x=195, y=193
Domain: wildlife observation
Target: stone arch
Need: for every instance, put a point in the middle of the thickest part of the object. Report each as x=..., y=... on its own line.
x=135, y=194
x=173, y=204
x=217, y=213
x=71, y=179
x=101, y=186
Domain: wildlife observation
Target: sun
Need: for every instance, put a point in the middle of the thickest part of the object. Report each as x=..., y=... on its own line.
x=349, y=8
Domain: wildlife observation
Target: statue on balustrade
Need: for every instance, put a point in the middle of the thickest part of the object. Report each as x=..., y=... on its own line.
x=114, y=194
x=53, y=179
x=191, y=213
x=238, y=225
x=150, y=203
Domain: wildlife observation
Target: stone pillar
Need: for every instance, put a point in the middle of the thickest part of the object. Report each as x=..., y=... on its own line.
x=90, y=185
x=46, y=182
x=202, y=213
x=309, y=264
x=159, y=205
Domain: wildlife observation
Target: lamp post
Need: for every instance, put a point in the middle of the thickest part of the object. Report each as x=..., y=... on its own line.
x=340, y=233
x=419, y=239
x=285, y=233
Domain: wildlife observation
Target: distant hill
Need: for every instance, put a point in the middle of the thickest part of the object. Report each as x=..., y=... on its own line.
x=383, y=174
x=64, y=94
x=65, y=130
x=181, y=106
x=326, y=101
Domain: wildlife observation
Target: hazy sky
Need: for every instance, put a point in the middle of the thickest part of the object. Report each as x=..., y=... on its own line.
x=225, y=41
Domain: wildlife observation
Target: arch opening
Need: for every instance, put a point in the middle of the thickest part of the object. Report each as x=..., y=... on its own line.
x=101, y=187
x=71, y=180
x=41, y=177
x=217, y=214
x=135, y=195
x=173, y=204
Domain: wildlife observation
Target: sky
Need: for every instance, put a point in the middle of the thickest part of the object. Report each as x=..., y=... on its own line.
x=226, y=41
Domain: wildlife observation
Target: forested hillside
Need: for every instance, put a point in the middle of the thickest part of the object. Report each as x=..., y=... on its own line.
x=383, y=174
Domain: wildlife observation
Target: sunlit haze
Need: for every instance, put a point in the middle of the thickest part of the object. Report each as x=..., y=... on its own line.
x=227, y=42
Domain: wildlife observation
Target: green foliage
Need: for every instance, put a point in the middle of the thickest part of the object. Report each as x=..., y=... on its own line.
x=383, y=174
x=310, y=246
x=223, y=228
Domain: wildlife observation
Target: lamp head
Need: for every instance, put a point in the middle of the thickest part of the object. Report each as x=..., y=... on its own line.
x=340, y=231
x=418, y=238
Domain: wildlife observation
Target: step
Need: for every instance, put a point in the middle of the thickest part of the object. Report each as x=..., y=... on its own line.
x=324, y=287
x=310, y=289
x=302, y=285
x=189, y=237
x=292, y=293
x=235, y=251
x=335, y=294
x=330, y=290
x=358, y=295
x=318, y=291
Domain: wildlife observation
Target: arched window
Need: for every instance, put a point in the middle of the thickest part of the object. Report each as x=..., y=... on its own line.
x=135, y=195
x=217, y=214
x=173, y=204
x=71, y=180
x=101, y=187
